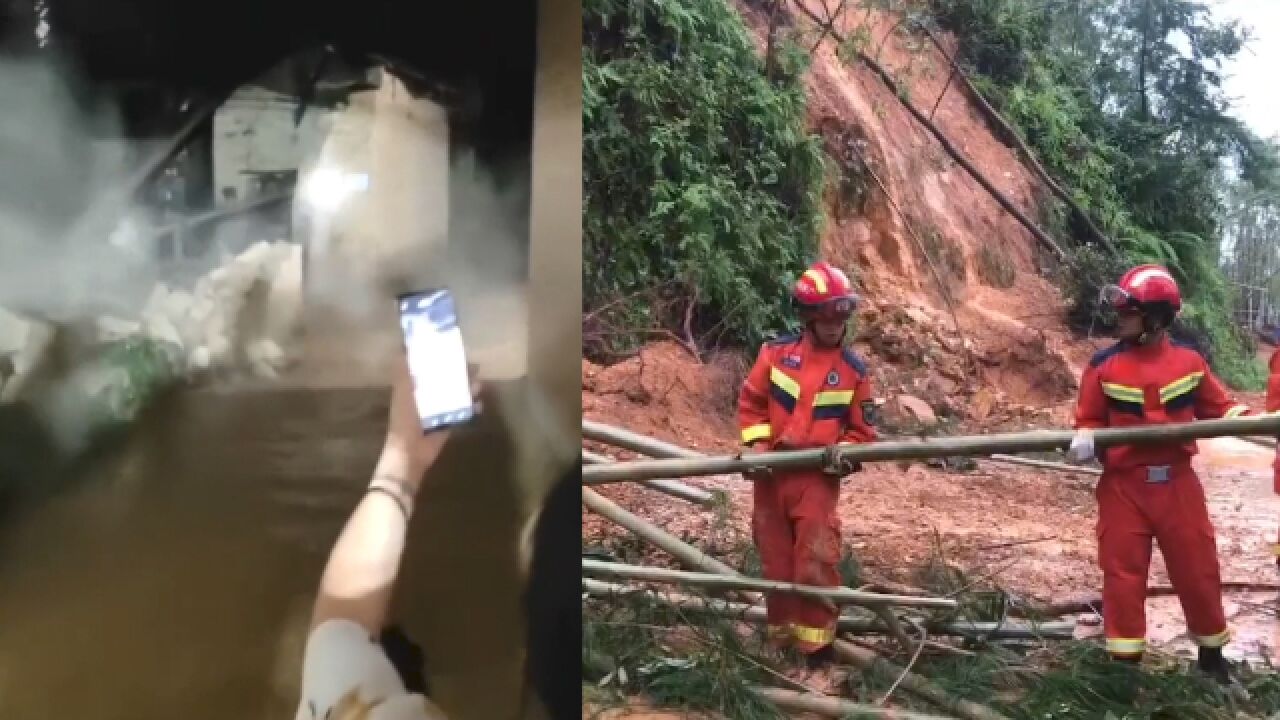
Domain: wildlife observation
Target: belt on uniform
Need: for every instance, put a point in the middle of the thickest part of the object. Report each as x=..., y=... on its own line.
x=1159, y=474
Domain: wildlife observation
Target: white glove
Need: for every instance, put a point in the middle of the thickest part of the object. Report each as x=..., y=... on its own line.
x=1081, y=447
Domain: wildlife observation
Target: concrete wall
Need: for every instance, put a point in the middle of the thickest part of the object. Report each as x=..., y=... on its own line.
x=254, y=131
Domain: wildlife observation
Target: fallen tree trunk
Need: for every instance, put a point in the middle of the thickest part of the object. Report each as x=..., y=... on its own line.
x=1004, y=202
x=846, y=623
x=715, y=580
x=833, y=707
x=673, y=488
x=971, y=445
x=1007, y=129
x=861, y=657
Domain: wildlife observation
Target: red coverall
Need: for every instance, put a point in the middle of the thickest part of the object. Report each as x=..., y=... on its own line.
x=1273, y=405
x=1151, y=491
x=806, y=396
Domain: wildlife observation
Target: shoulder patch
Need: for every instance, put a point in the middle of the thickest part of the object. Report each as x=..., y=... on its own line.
x=855, y=362
x=1106, y=354
x=784, y=339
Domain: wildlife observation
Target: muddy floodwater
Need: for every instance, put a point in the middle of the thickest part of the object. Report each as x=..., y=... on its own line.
x=174, y=578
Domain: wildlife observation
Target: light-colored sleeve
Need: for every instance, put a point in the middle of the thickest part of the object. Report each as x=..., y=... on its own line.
x=341, y=656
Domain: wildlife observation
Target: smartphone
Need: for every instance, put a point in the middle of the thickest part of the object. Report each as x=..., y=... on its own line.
x=437, y=359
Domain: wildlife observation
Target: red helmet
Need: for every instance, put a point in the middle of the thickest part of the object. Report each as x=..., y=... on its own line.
x=824, y=290
x=1145, y=288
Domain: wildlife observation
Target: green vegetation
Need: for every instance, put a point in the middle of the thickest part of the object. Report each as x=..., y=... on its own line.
x=1137, y=130
x=695, y=661
x=138, y=368
x=702, y=182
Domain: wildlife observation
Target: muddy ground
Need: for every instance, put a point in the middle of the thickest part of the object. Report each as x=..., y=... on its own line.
x=1031, y=531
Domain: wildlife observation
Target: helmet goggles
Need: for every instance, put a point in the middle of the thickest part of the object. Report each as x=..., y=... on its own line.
x=835, y=309
x=1119, y=299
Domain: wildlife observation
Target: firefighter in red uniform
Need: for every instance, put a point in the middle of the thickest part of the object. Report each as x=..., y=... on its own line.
x=805, y=391
x=1273, y=405
x=1150, y=491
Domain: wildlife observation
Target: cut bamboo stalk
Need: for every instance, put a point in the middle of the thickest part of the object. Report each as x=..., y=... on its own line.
x=644, y=445
x=847, y=623
x=1043, y=464
x=964, y=445
x=870, y=661
x=688, y=555
x=674, y=488
x=833, y=707
x=861, y=657
x=1269, y=443
x=894, y=627
x=710, y=580
x=634, y=441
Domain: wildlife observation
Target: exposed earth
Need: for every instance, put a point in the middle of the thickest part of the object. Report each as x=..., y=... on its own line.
x=990, y=353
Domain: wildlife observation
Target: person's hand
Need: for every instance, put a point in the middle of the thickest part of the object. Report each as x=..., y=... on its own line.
x=762, y=473
x=407, y=452
x=836, y=463
x=1081, y=450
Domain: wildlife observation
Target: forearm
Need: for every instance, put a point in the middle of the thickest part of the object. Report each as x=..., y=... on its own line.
x=360, y=575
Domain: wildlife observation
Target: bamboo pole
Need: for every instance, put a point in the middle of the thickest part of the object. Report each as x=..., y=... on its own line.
x=832, y=707
x=870, y=661
x=970, y=445
x=673, y=488
x=1269, y=443
x=634, y=441
x=1043, y=464
x=846, y=623
x=645, y=445
x=861, y=657
x=716, y=580
x=688, y=555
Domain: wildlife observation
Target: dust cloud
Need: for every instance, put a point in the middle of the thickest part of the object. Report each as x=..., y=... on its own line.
x=80, y=267
x=61, y=166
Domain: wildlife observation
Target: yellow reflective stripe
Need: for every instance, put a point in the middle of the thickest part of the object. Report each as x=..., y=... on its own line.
x=819, y=282
x=817, y=636
x=763, y=431
x=1181, y=386
x=1275, y=549
x=1126, y=646
x=1236, y=411
x=833, y=397
x=1123, y=393
x=1213, y=641
x=784, y=383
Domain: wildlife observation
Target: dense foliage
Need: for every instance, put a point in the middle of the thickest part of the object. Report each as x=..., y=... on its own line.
x=1122, y=101
x=700, y=177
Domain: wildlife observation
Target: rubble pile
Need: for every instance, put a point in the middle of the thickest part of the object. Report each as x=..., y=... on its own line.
x=236, y=319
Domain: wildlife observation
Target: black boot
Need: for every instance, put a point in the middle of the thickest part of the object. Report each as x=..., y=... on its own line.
x=820, y=659
x=1211, y=662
